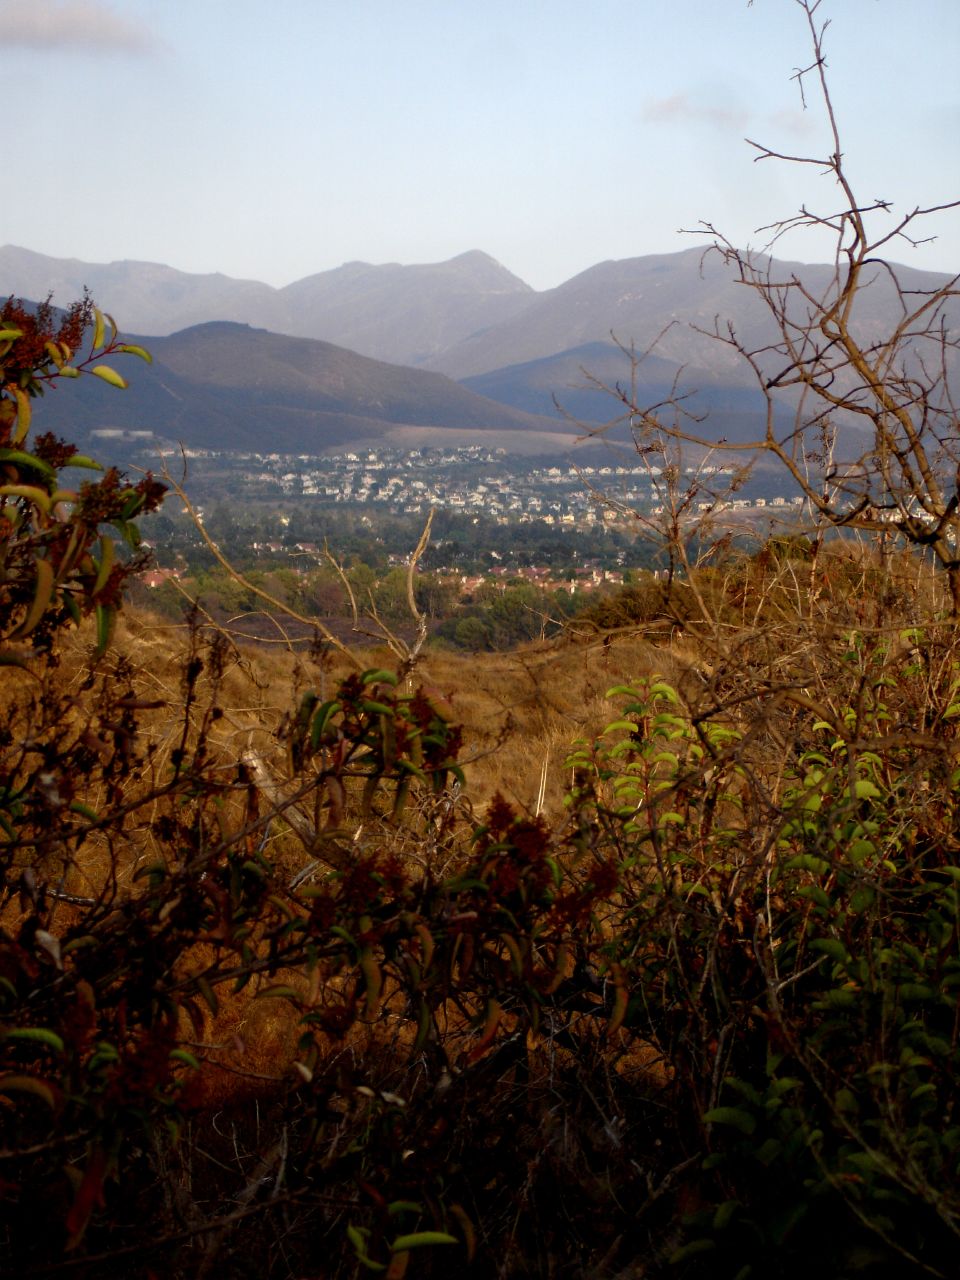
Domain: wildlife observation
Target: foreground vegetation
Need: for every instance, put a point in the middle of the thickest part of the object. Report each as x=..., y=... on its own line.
x=291, y=974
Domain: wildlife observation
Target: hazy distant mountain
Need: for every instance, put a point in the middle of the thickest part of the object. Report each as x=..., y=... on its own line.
x=578, y=382
x=225, y=385
x=582, y=387
x=406, y=315
x=464, y=317
x=144, y=297
x=663, y=299
x=402, y=314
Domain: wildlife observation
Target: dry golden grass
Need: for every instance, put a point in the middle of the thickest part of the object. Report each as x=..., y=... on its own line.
x=520, y=710
x=520, y=713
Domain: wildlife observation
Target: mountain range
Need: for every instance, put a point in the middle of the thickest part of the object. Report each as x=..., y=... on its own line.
x=368, y=352
x=400, y=314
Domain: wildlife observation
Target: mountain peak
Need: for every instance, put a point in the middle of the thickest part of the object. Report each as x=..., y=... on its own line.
x=487, y=271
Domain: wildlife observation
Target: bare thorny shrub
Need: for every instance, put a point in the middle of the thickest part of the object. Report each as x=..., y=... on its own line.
x=870, y=440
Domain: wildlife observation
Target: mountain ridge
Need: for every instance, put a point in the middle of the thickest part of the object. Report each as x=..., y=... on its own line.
x=393, y=312
x=463, y=317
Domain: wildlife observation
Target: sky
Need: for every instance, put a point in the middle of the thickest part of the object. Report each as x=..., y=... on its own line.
x=274, y=140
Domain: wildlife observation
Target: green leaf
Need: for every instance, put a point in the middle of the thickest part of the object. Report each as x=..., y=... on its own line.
x=846, y=1102
x=690, y=1251
x=663, y=690
x=807, y=862
x=839, y=998
x=10, y=658
x=106, y=619
x=736, y=1117
x=41, y=599
x=403, y=1206
x=321, y=718
x=37, y=1035
x=860, y=849
x=420, y=1239
x=862, y=898
x=181, y=1055
x=81, y=460
x=768, y=1151
x=209, y=995
x=815, y=894
x=110, y=376
x=22, y=459
x=27, y=1084
x=58, y=355
x=784, y=1084
x=108, y=553
x=617, y=726
x=39, y=497
x=377, y=708
x=131, y=349
x=724, y=1214
x=379, y=675
x=831, y=947
x=358, y=1238
x=24, y=414
x=864, y=789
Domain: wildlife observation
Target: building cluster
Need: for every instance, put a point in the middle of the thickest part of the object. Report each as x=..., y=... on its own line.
x=475, y=479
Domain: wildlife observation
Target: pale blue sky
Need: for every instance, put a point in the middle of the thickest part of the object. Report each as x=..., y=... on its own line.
x=274, y=139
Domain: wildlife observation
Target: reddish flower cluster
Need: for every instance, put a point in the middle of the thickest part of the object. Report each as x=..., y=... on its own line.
x=28, y=357
x=111, y=498
x=52, y=450
x=575, y=905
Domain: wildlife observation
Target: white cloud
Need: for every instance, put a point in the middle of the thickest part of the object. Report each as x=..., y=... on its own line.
x=679, y=108
x=82, y=25
x=799, y=124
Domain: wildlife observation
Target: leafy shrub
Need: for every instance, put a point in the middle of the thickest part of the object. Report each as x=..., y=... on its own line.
x=498, y=618
x=57, y=565
x=793, y=955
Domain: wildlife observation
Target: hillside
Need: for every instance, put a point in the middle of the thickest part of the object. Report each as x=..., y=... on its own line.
x=581, y=386
x=225, y=385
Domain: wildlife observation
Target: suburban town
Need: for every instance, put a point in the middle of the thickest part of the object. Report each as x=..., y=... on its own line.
x=474, y=479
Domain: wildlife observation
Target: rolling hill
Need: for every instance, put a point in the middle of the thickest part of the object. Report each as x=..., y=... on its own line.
x=228, y=386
